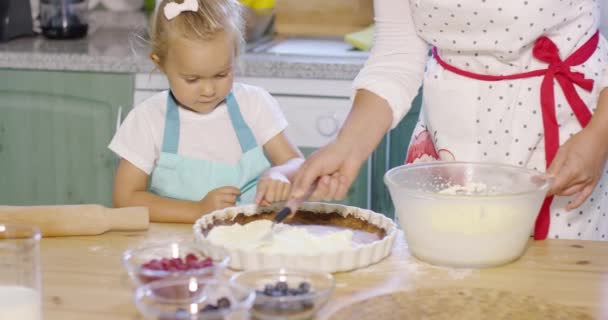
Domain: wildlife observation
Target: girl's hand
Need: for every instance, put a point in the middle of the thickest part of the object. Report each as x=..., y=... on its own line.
x=578, y=166
x=273, y=186
x=220, y=198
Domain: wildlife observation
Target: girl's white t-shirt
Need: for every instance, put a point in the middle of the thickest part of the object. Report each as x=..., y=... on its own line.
x=201, y=136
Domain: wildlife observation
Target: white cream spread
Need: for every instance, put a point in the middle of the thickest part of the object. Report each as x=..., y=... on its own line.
x=284, y=239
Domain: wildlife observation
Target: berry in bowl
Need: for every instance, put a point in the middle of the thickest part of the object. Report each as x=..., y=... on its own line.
x=193, y=298
x=286, y=294
x=171, y=260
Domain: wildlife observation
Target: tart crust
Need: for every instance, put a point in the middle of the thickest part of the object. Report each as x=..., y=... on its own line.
x=368, y=250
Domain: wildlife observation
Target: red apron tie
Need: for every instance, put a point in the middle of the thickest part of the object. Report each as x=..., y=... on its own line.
x=545, y=50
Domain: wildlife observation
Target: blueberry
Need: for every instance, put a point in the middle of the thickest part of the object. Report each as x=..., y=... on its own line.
x=282, y=286
x=268, y=289
x=276, y=293
x=304, y=287
x=293, y=292
x=223, y=303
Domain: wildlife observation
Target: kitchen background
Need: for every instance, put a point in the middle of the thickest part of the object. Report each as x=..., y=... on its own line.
x=61, y=100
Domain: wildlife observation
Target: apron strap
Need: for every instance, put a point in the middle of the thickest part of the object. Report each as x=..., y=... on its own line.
x=171, y=133
x=243, y=132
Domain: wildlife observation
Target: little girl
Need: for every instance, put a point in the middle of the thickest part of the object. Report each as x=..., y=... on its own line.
x=208, y=141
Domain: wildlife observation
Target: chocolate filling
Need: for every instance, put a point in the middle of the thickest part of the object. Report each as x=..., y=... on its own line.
x=315, y=222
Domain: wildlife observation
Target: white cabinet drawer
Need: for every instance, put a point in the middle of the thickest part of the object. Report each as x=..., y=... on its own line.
x=141, y=95
x=313, y=121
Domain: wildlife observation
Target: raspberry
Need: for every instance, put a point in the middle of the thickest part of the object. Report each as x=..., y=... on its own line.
x=190, y=262
x=208, y=262
x=166, y=263
x=191, y=257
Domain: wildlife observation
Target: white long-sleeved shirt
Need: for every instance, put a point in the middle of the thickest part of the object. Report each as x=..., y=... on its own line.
x=482, y=36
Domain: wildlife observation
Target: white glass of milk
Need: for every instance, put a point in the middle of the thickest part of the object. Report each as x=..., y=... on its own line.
x=20, y=288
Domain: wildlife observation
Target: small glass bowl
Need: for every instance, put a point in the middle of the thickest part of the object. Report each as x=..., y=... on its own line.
x=193, y=299
x=299, y=303
x=134, y=259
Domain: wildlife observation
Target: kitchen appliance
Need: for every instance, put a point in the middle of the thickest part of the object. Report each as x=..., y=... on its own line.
x=123, y=5
x=64, y=19
x=15, y=19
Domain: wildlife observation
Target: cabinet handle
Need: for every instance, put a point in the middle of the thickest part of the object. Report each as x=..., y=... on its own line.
x=327, y=125
x=118, y=118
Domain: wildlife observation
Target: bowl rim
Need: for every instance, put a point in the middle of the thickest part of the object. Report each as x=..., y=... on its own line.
x=132, y=268
x=145, y=309
x=234, y=280
x=548, y=180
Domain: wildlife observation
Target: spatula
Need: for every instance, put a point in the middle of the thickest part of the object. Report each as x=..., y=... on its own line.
x=291, y=206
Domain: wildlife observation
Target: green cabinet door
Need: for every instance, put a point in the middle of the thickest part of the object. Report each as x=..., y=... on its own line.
x=391, y=153
x=358, y=194
x=54, y=132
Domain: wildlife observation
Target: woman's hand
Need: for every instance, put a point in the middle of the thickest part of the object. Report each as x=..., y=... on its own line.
x=335, y=167
x=273, y=186
x=578, y=165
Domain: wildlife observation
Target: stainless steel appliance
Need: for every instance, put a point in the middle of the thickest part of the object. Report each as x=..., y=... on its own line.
x=64, y=19
x=15, y=19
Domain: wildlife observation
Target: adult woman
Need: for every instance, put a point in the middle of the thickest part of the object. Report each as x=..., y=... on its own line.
x=513, y=82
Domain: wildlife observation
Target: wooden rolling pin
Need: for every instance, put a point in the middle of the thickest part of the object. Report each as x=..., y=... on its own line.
x=76, y=220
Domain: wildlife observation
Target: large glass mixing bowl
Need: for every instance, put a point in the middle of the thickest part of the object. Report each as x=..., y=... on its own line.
x=466, y=214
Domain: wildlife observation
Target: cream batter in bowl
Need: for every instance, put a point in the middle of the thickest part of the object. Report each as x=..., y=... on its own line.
x=320, y=237
x=466, y=214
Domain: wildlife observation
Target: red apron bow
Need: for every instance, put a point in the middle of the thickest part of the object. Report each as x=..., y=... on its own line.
x=545, y=50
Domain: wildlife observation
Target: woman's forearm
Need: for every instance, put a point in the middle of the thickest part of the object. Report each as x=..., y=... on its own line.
x=367, y=123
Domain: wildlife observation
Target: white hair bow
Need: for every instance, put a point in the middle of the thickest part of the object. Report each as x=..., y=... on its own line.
x=173, y=9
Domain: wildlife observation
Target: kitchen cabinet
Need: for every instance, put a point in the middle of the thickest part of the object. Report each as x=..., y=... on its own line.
x=54, y=132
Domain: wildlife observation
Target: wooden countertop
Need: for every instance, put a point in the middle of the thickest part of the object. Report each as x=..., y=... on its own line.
x=83, y=277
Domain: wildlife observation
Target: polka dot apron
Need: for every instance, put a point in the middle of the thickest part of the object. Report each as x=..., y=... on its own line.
x=467, y=117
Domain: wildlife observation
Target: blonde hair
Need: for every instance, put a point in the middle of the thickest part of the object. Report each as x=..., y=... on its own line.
x=212, y=17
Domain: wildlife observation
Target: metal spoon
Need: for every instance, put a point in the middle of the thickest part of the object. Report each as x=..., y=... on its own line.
x=291, y=206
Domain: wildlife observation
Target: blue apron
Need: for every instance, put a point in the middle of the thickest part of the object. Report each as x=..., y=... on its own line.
x=184, y=178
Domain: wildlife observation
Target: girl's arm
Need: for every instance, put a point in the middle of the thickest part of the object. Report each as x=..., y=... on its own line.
x=131, y=189
x=284, y=155
x=275, y=184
